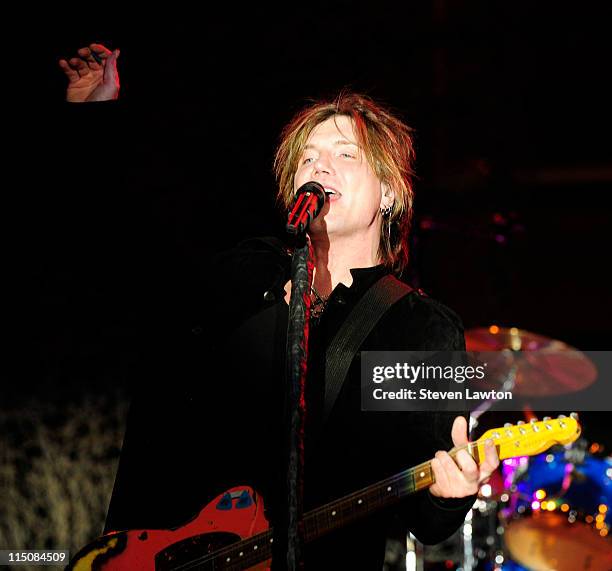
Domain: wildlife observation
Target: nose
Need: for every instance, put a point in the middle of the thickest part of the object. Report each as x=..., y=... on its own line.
x=323, y=165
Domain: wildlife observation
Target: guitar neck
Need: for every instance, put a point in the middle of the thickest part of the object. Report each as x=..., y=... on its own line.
x=339, y=513
x=510, y=441
x=376, y=497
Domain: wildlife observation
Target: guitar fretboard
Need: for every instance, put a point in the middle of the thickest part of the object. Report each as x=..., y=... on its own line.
x=336, y=514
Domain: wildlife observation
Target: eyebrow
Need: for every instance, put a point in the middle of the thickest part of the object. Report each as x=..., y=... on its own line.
x=335, y=143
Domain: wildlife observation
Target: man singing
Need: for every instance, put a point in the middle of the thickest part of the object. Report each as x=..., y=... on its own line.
x=210, y=432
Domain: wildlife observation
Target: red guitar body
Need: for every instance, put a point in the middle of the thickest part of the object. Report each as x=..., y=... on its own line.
x=235, y=514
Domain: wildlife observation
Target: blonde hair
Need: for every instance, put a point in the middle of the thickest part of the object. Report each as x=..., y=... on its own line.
x=388, y=147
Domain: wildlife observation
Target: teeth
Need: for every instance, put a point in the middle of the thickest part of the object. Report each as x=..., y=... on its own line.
x=329, y=191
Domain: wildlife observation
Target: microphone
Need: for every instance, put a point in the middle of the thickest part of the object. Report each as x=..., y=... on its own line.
x=310, y=198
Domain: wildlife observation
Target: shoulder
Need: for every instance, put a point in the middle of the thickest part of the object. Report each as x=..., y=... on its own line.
x=249, y=275
x=429, y=320
x=260, y=244
x=260, y=256
x=436, y=311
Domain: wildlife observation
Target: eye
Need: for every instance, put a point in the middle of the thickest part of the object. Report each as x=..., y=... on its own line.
x=347, y=155
x=307, y=160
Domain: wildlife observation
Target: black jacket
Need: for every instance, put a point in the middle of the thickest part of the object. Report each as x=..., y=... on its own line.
x=217, y=418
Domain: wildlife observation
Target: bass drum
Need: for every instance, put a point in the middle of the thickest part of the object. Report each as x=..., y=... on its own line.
x=558, y=517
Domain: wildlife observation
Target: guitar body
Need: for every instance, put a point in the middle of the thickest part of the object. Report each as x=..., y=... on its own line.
x=232, y=516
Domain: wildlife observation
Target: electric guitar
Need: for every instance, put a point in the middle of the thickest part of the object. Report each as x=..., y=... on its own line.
x=231, y=532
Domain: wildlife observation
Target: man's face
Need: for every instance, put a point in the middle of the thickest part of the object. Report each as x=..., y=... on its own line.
x=333, y=158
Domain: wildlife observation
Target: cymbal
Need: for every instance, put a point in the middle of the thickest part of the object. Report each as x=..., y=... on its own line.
x=551, y=542
x=544, y=366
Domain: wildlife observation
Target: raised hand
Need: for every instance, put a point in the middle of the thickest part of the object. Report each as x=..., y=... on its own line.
x=461, y=479
x=93, y=75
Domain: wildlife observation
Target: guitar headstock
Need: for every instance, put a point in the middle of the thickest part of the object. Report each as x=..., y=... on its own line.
x=529, y=439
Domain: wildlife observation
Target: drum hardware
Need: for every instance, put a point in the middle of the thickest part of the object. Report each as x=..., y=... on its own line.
x=557, y=516
x=521, y=513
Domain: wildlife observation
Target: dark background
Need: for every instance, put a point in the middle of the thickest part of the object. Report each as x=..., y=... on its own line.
x=120, y=207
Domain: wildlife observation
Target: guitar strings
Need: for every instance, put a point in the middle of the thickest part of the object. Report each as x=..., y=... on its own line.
x=470, y=447
x=209, y=557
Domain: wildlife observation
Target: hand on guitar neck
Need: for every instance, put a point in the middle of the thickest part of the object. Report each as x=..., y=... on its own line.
x=462, y=476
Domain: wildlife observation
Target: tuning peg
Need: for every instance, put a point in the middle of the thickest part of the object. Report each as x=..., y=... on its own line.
x=574, y=415
x=533, y=421
x=520, y=422
x=561, y=416
x=507, y=424
x=546, y=418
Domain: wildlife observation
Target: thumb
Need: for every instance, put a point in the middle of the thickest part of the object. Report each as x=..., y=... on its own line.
x=459, y=431
x=110, y=68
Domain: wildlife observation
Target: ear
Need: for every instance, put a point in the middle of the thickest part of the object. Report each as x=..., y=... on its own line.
x=387, y=195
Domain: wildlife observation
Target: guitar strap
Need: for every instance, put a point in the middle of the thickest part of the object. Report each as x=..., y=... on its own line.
x=353, y=332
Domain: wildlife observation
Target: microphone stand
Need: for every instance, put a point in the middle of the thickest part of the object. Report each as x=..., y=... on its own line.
x=297, y=361
x=309, y=201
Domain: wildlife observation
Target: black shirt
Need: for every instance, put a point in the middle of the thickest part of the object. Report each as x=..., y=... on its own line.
x=219, y=420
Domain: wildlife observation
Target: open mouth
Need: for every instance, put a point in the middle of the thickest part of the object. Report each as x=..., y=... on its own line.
x=332, y=194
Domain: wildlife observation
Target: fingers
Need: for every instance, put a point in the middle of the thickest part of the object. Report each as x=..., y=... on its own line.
x=455, y=479
x=491, y=461
x=79, y=66
x=72, y=74
x=101, y=51
x=459, y=432
x=468, y=467
x=438, y=465
x=462, y=477
x=91, y=59
x=451, y=482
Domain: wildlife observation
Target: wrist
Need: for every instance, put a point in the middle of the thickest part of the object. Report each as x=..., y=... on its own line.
x=452, y=503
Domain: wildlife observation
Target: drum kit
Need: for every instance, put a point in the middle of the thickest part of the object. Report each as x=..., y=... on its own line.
x=550, y=512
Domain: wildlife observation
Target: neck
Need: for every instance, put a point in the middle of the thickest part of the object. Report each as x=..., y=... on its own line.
x=333, y=260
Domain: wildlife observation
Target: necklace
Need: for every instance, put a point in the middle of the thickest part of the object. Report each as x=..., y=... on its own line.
x=319, y=303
